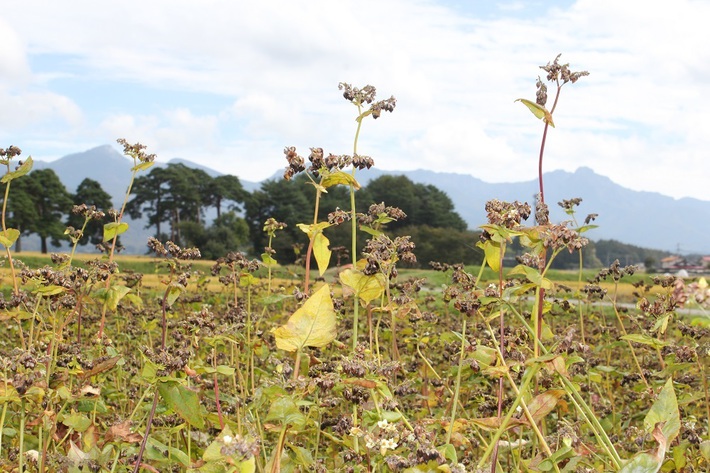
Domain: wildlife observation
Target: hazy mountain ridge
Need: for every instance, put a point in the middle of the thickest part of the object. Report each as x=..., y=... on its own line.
x=645, y=219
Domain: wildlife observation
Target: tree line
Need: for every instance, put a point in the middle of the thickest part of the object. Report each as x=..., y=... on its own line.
x=217, y=215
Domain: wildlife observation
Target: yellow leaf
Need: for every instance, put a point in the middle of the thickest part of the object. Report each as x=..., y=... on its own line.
x=312, y=325
x=366, y=287
x=340, y=177
x=321, y=252
x=492, y=252
x=539, y=111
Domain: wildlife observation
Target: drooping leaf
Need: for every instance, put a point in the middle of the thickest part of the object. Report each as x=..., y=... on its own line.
x=340, y=177
x=143, y=166
x=644, y=340
x=492, y=252
x=664, y=410
x=114, y=295
x=311, y=325
x=539, y=111
x=9, y=237
x=493, y=423
x=114, y=228
x=183, y=401
x=314, y=229
x=51, y=290
x=268, y=260
x=649, y=462
x=174, y=292
x=367, y=288
x=543, y=404
x=321, y=252
x=21, y=171
x=100, y=367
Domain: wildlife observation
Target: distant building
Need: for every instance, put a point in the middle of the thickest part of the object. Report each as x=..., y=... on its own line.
x=675, y=264
x=672, y=262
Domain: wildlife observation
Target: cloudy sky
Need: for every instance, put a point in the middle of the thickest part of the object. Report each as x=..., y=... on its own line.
x=228, y=84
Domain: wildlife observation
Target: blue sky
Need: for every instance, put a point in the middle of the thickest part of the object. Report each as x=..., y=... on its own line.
x=229, y=84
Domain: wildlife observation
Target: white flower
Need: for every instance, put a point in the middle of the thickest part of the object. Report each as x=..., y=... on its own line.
x=227, y=439
x=382, y=424
x=386, y=444
x=370, y=442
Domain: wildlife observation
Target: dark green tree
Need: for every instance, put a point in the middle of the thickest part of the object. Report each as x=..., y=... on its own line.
x=443, y=245
x=22, y=212
x=174, y=194
x=38, y=204
x=292, y=202
x=228, y=232
x=424, y=204
x=90, y=192
x=227, y=188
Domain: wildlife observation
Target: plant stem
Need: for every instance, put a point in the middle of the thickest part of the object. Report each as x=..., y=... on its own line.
x=7, y=248
x=458, y=384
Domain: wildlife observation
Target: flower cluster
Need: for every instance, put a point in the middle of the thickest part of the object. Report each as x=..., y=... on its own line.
x=367, y=95
x=382, y=254
x=6, y=155
x=170, y=249
x=556, y=72
x=321, y=163
x=561, y=236
x=506, y=214
x=136, y=151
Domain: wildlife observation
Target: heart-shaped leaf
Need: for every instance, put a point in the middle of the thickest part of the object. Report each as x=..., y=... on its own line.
x=312, y=325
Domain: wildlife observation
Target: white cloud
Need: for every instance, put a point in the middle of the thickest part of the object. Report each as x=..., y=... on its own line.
x=455, y=75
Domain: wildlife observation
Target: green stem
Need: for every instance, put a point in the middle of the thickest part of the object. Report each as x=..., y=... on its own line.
x=7, y=248
x=458, y=384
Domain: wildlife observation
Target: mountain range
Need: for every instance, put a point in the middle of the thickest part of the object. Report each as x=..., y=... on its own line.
x=646, y=219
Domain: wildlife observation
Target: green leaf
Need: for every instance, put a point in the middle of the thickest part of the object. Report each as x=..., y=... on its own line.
x=311, y=325
x=114, y=296
x=51, y=290
x=644, y=339
x=371, y=231
x=183, y=401
x=142, y=166
x=285, y=411
x=78, y=422
x=174, y=292
x=19, y=172
x=321, y=252
x=665, y=410
x=533, y=275
x=268, y=260
x=539, y=111
x=114, y=228
x=159, y=452
x=492, y=252
x=339, y=177
x=9, y=237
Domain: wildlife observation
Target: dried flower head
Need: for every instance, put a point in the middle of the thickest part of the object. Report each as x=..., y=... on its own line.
x=556, y=72
x=296, y=163
x=136, y=151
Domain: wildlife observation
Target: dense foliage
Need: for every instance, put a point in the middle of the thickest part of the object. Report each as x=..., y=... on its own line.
x=261, y=366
